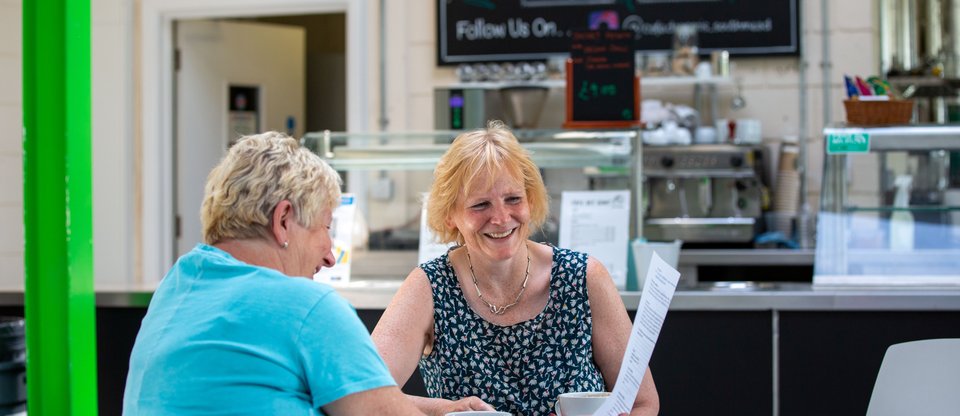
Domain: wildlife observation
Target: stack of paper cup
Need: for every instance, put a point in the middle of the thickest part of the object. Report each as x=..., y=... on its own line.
x=786, y=197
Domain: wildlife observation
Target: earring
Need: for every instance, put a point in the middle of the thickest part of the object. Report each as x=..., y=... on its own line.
x=286, y=244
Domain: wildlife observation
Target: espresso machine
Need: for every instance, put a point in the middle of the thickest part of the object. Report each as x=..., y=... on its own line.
x=709, y=194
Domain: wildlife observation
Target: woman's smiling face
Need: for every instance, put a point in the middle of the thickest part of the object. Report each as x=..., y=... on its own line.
x=493, y=217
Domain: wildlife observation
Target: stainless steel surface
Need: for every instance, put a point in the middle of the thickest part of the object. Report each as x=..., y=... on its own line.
x=703, y=221
x=918, y=40
x=703, y=193
x=913, y=137
x=697, y=173
x=727, y=296
x=738, y=102
x=747, y=257
x=804, y=297
x=523, y=105
x=701, y=230
x=422, y=150
x=466, y=107
x=717, y=158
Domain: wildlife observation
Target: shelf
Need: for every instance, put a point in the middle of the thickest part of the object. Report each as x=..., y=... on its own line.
x=912, y=208
x=916, y=86
x=560, y=83
x=905, y=137
x=425, y=157
x=422, y=151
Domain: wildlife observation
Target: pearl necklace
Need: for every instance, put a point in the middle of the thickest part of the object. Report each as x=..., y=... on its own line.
x=499, y=310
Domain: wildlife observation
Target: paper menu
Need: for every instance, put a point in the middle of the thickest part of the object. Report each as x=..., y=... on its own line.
x=598, y=223
x=341, y=232
x=654, y=302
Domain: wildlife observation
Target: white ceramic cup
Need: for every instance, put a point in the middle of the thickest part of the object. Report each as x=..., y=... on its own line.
x=723, y=130
x=479, y=413
x=582, y=403
x=705, y=135
x=703, y=70
x=748, y=131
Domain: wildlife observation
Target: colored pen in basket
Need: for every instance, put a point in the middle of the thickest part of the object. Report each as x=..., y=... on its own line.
x=851, y=89
x=862, y=86
x=878, y=85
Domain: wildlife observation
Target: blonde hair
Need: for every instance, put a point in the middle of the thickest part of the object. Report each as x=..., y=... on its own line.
x=257, y=173
x=477, y=155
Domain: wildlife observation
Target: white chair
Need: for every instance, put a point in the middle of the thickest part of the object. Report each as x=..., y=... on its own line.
x=918, y=378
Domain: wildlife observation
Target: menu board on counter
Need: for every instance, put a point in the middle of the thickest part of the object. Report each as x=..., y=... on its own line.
x=515, y=30
x=597, y=223
x=602, y=87
x=341, y=232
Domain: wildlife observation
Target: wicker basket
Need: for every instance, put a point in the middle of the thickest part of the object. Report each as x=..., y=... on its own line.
x=874, y=113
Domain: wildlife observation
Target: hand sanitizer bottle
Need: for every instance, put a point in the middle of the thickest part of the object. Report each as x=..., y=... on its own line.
x=901, y=220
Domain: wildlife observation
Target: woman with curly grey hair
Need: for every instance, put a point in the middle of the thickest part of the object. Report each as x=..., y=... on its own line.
x=237, y=326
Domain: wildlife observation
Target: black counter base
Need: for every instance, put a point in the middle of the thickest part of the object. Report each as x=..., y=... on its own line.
x=705, y=362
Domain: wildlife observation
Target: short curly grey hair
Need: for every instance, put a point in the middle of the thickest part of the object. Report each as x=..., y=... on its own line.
x=257, y=173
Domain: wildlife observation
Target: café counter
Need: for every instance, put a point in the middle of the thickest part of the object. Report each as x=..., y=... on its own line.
x=725, y=347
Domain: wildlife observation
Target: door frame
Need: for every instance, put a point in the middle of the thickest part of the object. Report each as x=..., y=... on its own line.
x=156, y=222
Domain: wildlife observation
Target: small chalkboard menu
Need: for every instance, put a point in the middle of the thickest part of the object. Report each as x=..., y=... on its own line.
x=602, y=86
x=518, y=30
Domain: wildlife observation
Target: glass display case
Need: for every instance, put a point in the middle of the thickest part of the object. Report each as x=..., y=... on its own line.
x=389, y=173
x=890, y=206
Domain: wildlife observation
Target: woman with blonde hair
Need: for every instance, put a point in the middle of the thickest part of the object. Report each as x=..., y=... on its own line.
x=510, y=321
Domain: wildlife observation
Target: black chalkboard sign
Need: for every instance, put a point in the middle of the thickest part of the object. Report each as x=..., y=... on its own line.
x=512, y=30
x=601, y=80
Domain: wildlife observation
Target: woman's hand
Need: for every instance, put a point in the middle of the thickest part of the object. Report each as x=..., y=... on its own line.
x=464, y=404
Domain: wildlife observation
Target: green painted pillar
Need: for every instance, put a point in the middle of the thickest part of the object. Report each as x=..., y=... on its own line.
x=57, y=204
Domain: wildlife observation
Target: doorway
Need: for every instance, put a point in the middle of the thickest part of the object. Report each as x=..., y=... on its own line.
x=156, y=220
x=240, y=76
x=326, y=64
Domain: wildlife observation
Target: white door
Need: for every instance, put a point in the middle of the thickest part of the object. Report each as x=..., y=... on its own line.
x=215, y=59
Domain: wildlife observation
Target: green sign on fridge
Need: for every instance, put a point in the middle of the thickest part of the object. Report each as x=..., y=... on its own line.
x=848, y=143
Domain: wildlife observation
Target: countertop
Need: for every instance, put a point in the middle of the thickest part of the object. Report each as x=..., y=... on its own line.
x=372, y=288
x=719, y=296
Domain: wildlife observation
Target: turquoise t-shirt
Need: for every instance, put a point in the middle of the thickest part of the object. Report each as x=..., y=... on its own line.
x=225, y=337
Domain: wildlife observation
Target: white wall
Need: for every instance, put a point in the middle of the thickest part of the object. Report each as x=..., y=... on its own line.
x=771, y=85
x=770, y=88
x=115, y=246
x=113, y=159
x=11, y=150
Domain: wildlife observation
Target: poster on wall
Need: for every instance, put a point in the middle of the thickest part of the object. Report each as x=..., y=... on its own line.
x=244, y=112
x=514, y=30
x=598, y=223
x=341, y=232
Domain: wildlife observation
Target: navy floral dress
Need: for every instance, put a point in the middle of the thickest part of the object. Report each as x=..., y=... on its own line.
x=520, y=368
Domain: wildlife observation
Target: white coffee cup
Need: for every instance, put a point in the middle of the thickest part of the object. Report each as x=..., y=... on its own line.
x=705, y=135
x=748, y=131
x=583, y=403
x=479, y=413
x=723, y=130
x=703, y=70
